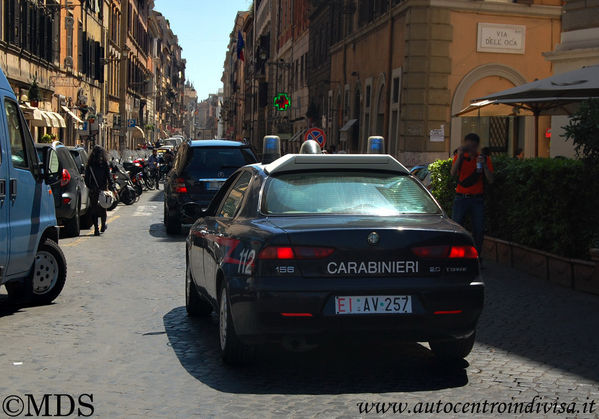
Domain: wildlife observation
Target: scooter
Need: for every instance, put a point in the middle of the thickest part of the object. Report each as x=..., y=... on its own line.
x=123, y=185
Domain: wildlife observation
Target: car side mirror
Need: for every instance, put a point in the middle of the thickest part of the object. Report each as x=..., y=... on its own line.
x=194, y=211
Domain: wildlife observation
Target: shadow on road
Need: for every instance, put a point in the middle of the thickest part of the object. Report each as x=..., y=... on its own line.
x=540, y=321
x=158, y=231
x=361, y=368
x=157, y=196
x=7, y=308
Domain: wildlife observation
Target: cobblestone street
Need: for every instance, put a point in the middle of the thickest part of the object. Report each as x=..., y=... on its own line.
x=120, y=332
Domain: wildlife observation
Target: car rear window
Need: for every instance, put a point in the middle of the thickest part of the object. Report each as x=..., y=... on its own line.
x=66, y=159
x=217, y=162
x=359, y=193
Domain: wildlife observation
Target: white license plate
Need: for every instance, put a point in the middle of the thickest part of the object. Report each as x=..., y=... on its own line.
x=214, y=186
x=374, y=304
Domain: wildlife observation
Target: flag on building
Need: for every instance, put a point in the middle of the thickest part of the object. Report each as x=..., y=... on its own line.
x=240, y=46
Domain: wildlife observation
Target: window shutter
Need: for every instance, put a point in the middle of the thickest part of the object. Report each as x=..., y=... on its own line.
x=80, y=48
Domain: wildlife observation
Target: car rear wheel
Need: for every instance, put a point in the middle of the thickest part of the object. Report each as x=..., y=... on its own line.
x=232, y=350
x=173, y=224
x=72, y=228
x=194, y=303
x=453, y=350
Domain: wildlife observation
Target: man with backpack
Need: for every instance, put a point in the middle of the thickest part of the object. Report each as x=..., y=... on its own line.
x=471, y=168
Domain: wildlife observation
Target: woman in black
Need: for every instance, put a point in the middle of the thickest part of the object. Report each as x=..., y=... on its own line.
x=98, y=178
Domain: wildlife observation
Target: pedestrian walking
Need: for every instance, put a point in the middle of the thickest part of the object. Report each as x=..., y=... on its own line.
x=153, y=165
x=97, y=179
x=471, y=168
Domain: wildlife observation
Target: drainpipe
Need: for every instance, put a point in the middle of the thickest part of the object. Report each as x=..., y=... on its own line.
x=389, y=84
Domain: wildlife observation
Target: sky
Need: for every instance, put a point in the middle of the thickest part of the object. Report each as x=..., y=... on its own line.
x=203, y=28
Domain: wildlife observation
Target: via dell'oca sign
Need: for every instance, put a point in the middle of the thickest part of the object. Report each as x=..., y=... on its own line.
x=507, y=39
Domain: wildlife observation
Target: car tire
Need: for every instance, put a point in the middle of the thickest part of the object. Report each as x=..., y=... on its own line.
x=150, y=183
x=47, y=278
x=453, y=350
x=195, y=305
x=173, y=224
x=72, y=228
x=233, y=351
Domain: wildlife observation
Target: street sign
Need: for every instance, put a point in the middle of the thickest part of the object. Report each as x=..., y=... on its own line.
x=282, y=102
x=131, y=123
x=316, y=134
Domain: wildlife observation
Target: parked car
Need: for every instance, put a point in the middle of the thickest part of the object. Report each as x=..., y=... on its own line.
x=200, y=169
x=80, y=156
x=422, y=174
x=174, y=142
x=71, y=196
x=31, y=262
x=325, y=248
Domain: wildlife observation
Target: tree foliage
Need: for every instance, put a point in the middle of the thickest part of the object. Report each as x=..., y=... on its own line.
x=583, y=130
x=546, y=204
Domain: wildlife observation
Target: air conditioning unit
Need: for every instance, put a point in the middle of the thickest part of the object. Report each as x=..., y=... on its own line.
x=68, y=62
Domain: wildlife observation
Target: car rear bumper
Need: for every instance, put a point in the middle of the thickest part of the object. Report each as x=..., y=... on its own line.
x=66, y=211
x=258, y=313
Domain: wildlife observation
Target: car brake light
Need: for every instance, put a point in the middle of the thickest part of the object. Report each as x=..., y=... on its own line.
x=463, y=252
x=446, y=252
x=66, y=201
x=179, y=185
x=66, y=178
x=296, y=314
x=440, y=312
x=297, y=252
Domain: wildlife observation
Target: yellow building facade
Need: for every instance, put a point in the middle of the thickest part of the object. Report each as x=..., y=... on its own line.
x=403, y=72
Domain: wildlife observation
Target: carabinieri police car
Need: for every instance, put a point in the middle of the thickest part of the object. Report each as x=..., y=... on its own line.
x=308, y=247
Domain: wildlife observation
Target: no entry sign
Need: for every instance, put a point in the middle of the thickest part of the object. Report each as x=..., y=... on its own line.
x=317, y=135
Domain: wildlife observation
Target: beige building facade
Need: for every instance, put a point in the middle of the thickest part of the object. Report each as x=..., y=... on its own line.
x=403, y=70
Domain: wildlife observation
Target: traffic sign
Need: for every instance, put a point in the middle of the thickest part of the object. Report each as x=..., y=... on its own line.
x=316, y=134
x=131, y=123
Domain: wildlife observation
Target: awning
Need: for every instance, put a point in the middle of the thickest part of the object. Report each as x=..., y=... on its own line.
x=45, y=121
x=32, y=114
x=137, y=132
x=348, y=125
x=56, y=119
x=298, y=135
x=72, y=115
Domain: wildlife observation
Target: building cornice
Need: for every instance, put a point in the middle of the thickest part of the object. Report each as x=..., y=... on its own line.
x=573, y=54
x=503, y=9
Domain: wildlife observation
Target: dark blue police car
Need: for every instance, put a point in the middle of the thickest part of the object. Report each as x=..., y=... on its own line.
x=313, y=247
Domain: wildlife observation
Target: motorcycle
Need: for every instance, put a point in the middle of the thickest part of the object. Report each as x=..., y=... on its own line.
x=123, y=185
x=135, y=171
x=137, y=181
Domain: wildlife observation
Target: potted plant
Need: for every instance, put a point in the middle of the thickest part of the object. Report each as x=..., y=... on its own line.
x=34, y=93
x=46, y=139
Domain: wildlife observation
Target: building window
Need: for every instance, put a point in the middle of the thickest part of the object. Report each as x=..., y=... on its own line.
x=33, y=28
x=396, y=90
